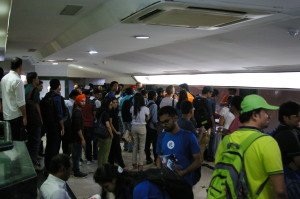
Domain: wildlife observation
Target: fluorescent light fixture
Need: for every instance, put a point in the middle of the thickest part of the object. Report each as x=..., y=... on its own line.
x=55, y=63
x=70, y=59
x=254, y=80
x=141, y=37
x=91, y=52
x=80, y=67
x=50, y=60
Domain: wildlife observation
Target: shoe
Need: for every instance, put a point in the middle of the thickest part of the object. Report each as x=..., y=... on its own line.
x=89, y=162
x=149, y=161
x=38, y=167
x=80, y=175
x=125, y=149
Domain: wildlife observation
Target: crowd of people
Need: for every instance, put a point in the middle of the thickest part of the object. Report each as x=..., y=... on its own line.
x=184, y=131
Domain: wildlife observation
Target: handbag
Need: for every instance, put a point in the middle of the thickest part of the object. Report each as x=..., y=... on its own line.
x=127, y=136
x=100, y=130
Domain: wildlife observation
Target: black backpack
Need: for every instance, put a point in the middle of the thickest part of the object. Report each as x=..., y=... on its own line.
x=33, y=116
x=126, y=115
x=201, y=113
x=170, y=182
x=48, y=109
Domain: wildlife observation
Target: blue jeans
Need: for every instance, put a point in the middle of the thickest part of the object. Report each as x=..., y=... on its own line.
x=76, y=155
x=53, y=143
x=211, y=146
x=127, y=145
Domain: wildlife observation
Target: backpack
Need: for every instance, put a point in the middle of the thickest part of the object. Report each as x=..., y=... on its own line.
x=126, y=115
x=229, y=178
x=48, y=109
x=148, y=121
x=170, y=182
x=201, y=113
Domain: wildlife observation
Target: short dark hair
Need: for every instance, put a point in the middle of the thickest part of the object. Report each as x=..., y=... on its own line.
x=16, y=63
x=207, y=89
x=287, y=109
x=160, y=90
x=236, y=102
x=151, y=95
x=58, y=162
x=54, y=84
x=245, y=117
x=215, y=93
x=144, y=92
x=167, y=110
x=73, y=94
x=129, y=91
x=186, y=107
x=31, y=76
x=112, y=84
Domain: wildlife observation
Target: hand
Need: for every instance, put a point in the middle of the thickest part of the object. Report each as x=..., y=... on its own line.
x=83, y=143
x=24, y=121
x=118, y=133
x=181, y=172
x=62, y=132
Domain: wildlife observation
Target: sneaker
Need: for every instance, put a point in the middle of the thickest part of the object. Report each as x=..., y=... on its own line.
x=80, y=175
x=89, y=162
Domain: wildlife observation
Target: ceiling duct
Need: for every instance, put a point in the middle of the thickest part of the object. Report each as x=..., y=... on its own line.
x=70, y=10
x=190, y=16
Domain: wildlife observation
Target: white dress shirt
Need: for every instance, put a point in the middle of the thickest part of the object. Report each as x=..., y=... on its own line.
x=54, y=188
x=13, y=95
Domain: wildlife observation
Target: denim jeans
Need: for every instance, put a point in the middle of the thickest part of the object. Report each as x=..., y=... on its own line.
x=34, y=141
x=76, y=155
x=127, y=145
x=53, y=143
x=151, y=138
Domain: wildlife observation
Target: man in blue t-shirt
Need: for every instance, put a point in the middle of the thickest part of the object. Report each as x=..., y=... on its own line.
x=178, y=148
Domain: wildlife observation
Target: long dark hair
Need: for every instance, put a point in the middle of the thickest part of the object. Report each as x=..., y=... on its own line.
x=182, y=97
x=124, y=181
x=104, y=106
x=138, y=103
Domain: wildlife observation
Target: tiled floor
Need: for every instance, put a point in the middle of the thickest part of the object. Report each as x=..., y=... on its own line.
x=85, y=187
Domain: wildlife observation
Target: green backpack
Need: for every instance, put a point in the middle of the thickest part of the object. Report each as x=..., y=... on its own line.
x=229, y=179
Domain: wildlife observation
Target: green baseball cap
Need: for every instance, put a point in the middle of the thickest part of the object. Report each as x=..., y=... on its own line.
x=252, y=102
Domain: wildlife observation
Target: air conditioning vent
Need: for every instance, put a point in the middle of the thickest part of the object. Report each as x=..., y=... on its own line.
x=31, y=50
x=190, y=16
x=70, y=10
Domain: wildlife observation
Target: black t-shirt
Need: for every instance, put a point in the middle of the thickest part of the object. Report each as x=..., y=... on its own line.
x=77, y=124
x=289, y=142
x=104, y=117
x=113, y=114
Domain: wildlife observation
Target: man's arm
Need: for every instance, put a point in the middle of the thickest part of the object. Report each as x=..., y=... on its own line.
x=23, y=111
x=81, y=137
x=195, y=164
x=277, y=181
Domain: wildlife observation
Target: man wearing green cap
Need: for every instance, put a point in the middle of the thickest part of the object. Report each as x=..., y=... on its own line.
x=262, y=159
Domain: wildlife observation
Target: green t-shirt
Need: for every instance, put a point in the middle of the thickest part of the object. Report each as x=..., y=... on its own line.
x=35, y=95
x=262, y=159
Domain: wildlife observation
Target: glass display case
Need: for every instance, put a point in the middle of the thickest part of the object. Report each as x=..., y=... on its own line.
x=17, y=175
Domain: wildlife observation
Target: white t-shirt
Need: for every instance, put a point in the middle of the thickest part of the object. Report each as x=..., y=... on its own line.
x=53, y=188
x=167, y=101
x=141, y=116
x=228, y=117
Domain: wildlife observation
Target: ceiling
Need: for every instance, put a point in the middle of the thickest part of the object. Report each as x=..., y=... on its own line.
x=267, y=44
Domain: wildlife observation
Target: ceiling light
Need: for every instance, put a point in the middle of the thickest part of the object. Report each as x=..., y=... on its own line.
x=55, y=63
x=91, y=52
x=50, y=60
x=70, y=59
x=141, y=37
x=80, y=67
x=262, y=80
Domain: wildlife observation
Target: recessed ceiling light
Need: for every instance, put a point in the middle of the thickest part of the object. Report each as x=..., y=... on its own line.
x=55, y=63
x=70, y=59
x=142, y=37
x=80, y=67
x=50, y=60
x=91, y=52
